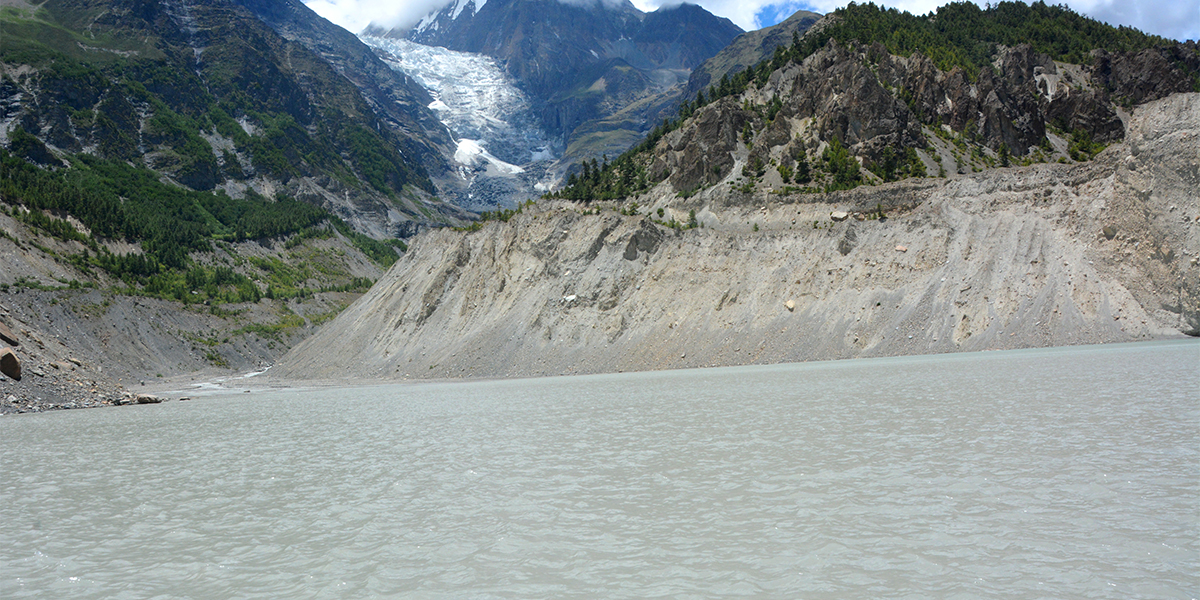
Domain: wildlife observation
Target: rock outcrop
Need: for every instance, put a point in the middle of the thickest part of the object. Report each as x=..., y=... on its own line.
x=888, y=110
x=10, y=364
x=7, y=336
x=1006, y=258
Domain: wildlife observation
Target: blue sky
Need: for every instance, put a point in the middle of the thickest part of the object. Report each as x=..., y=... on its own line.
x=1176, y=19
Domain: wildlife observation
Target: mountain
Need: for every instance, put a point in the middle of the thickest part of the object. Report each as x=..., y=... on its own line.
x=204, y=93
x=192, y=184
x=872, y=95
x=887, y=184
x=597, y=73
x=1046, y=255
x=401, y=102
x=749, y=49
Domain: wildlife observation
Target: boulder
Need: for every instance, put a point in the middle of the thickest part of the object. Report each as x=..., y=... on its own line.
x=901, y=248
x=10, y=365
x=645, y=239
x=839, y=215
x=791, y=305
x=7, y=335
x=147, y=399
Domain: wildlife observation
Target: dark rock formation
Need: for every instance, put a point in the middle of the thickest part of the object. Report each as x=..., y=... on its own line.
x=703, y=152
x=646, y=239
x=1136, y=78
x=882, y=106
x=10, y=365
x=7, y=336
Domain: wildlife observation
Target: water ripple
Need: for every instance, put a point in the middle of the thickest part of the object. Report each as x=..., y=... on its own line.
x=1033, y=474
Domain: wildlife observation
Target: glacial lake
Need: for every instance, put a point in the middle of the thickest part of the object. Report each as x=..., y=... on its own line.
x=1053, y=473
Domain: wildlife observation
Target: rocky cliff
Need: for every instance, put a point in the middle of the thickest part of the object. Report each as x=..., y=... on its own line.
x=400, y=101
x=1047, y=254
x=890, y=110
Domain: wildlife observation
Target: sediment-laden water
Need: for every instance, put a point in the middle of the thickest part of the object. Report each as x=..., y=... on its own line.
x=1032, y=474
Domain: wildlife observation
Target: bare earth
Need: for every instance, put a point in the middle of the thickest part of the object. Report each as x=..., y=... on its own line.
x=1047, y=255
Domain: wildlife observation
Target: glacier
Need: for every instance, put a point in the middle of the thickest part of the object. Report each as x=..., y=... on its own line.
x=502, y=153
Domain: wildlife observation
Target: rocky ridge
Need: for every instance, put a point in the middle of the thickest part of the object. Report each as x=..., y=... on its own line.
x=882, y=107
x=1042, y=255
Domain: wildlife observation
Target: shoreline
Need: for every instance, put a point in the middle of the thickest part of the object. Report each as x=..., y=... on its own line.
x=222, y=386
x=187, y=387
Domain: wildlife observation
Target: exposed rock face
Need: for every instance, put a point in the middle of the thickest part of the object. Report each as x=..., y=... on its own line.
x=704, y=152
x=1006, y=258
x=400, y=101
x=881, y=105
x=7, y=336
x=1134, y=78
x=850, y=100
x=10, y=365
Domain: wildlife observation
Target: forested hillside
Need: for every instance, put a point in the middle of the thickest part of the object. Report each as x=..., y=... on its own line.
x=174, y=125
x=911, y=65
x=206, y=95
x=182, y=156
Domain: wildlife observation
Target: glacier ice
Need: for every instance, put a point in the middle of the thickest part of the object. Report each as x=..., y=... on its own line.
x=490, y=118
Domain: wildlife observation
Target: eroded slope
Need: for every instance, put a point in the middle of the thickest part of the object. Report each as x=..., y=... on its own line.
x=1050, y=254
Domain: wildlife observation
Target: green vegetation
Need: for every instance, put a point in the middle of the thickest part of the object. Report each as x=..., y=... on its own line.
x=964, y=35
x=287, y=112
x=893, y=165
x=502, y=215
x=116, y=201
x=607, y=181
x=958, y=35
x=843, y=167
x=382, y=252
x=1082, y=147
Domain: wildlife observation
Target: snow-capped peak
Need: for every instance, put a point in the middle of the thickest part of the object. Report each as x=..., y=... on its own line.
x=430, y=21
x=460, y=5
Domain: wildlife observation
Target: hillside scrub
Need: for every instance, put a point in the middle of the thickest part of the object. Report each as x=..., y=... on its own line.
x=116, y=201
x=958, y=36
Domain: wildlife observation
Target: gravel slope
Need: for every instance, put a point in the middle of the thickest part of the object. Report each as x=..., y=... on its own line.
x=1007, y=258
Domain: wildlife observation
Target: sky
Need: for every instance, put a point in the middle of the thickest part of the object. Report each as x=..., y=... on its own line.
x=1175, y=19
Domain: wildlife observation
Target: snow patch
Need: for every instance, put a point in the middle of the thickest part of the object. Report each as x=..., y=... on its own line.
x=471, y=152
x=426, y=22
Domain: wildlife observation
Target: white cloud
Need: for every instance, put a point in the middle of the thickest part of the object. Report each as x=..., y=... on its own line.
x=1176, y=19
